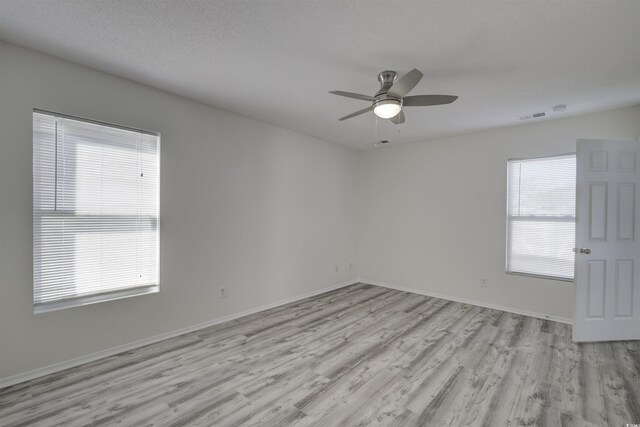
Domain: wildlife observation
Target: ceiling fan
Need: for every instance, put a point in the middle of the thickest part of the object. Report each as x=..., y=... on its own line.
x=387, y=103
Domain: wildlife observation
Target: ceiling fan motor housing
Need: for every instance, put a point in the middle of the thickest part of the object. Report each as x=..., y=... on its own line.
x=386, y=79
x=386, y=106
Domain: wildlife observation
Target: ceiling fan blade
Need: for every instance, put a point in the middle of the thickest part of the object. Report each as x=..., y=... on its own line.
x=353, y=95
x=357, y=113
x=405, y=84
x=425, y=100
x=398, y=118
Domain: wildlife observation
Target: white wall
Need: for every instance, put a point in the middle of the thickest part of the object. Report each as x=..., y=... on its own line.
x=433, y=213
x=263, y=210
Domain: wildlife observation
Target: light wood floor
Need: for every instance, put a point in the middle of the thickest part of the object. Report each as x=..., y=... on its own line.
x=360, y=355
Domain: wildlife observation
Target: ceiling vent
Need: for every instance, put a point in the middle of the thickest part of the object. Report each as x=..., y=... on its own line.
x=560, y=108
x=533, y=116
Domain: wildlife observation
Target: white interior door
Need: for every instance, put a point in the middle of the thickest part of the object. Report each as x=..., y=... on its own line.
x=608, y=246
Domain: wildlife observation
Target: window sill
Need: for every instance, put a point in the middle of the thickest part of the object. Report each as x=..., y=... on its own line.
x=94, y=299
x=541, y=276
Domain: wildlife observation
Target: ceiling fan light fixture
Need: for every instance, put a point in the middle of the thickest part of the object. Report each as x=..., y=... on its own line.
x=387, y=108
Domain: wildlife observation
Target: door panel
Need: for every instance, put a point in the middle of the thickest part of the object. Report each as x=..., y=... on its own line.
x=608, y=254
x=626, y=211
x=598, y=211
x=596, y=279
x=624, y=289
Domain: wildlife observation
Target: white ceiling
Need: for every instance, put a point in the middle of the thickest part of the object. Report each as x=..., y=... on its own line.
x=276, y=60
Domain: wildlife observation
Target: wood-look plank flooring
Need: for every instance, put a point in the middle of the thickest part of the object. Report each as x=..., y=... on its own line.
x=356, y=356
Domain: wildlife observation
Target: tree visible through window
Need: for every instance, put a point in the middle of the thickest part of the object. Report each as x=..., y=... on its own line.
x=541, y=216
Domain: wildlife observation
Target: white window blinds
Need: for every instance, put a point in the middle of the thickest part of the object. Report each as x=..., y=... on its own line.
x=95, y=211
x=541, y=216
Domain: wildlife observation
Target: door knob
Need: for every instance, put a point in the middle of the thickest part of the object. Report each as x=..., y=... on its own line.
x=582, y=250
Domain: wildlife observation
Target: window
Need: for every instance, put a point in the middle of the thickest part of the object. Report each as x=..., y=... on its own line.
x=541, y=216
x=95, y=211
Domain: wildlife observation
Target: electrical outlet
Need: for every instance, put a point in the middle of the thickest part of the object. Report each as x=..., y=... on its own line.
x=350, y=266
x=223, y=292
x=483, y=283
x=337, y=268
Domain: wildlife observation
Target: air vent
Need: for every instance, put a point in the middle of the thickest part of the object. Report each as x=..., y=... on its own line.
x=533, y=116
x=560, y=108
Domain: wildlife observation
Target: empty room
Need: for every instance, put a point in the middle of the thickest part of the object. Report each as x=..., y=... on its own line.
x=319, y=213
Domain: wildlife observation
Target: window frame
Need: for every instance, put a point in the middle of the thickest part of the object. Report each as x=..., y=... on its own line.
x=508, y=223
x=108, y=295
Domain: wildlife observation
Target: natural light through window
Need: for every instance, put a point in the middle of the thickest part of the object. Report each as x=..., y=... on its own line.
x=95, y=211
x=541, y=216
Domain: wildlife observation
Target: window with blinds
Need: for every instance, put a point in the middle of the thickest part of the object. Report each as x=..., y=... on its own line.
x=95, y=211
x=541, y=216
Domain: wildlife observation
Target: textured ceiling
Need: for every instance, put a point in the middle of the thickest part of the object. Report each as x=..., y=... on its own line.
x=276, y=60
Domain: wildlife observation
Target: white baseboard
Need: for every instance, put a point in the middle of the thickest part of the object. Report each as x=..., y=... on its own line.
x=469, y=301
x=57, y=367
